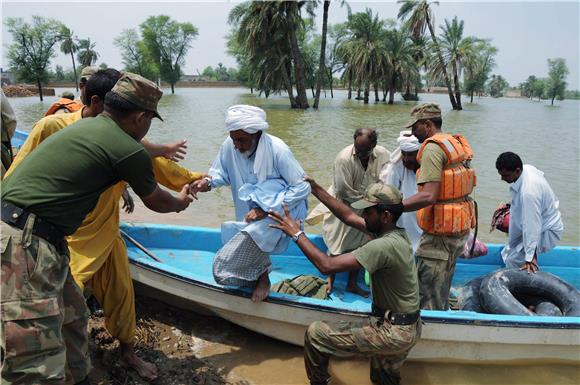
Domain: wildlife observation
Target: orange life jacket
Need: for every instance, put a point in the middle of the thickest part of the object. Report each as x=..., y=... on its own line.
x=70, y=105
x=453, y=214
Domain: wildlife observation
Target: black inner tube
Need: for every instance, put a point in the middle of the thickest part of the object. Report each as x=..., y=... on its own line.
x=498, y=292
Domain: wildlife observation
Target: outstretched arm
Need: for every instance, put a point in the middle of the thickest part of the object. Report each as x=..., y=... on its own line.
x=339, y=209
x=325, y=264
x=172, y=151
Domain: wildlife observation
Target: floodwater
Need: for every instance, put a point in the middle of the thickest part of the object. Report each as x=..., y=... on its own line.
x=546, y=136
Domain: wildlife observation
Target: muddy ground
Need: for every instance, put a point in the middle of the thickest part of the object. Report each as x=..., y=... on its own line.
x=165, y=336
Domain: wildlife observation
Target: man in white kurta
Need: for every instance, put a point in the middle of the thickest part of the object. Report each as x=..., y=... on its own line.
x=535, y=225
x=401, y=172
x=355, y=167
x=262, y=173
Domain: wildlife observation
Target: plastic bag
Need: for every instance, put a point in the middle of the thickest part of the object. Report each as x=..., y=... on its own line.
x=479, y=250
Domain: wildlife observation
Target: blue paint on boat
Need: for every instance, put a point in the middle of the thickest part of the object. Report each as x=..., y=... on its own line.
x=187, y=254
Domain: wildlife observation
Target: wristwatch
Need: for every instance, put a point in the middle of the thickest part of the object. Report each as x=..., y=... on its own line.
x=297, y=235
x=208, y=180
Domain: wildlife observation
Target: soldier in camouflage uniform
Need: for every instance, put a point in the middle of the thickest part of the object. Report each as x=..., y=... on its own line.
x=43, y=333
x=436, y=254
x=395, y=325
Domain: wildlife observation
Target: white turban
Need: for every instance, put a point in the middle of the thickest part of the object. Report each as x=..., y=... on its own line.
x=408, y=143
x=250, y=119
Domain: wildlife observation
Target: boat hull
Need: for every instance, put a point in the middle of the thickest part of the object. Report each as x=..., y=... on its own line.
x=444, y=339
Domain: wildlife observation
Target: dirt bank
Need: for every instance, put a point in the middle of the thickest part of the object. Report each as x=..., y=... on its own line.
x=165, y=336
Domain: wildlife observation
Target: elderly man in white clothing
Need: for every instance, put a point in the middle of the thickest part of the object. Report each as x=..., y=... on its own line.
x=535, y=222
x=355, y=168
x=263, y=174
x=401, y=172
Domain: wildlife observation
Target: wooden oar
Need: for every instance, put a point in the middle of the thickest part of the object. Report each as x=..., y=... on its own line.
x=140, y=246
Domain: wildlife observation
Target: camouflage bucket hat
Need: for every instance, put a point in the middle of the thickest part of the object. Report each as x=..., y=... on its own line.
x=424, y=111
x=140, y=91
x=87, y=72
x=379, y=193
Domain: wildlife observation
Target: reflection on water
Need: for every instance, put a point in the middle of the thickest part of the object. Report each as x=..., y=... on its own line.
x=545, y=136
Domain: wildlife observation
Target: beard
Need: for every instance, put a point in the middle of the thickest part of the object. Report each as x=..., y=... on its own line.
x=246, y=154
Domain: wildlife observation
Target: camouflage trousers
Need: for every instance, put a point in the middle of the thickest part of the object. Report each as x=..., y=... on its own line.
x=44, y=326
x=436, y=259
x=387, y=346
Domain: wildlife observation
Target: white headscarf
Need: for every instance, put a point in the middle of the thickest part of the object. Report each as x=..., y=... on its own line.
x=251, y=119
x=407, y=143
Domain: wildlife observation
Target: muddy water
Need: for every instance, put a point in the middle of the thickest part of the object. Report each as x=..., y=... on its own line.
x=545, y=136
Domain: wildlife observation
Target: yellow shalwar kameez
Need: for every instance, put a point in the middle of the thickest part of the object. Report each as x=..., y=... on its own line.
x=98, y=255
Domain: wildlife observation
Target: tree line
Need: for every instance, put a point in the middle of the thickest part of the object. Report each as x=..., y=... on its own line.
x=552, y=87
x=279, y=50
x=157, y=51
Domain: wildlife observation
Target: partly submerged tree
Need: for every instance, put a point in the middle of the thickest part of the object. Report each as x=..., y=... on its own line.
x=419, y=17
x=33, y=47
x=400, y=61
x=454, y=50
x=266, y=35
x=478, y=63
x=167, y=42
x=134, y=54
x=69, y=46
x=497, y=85
x=87, y=55
x=556, y=82
x=363, y=49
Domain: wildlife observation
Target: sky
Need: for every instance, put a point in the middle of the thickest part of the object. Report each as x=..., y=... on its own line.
x=526, y=33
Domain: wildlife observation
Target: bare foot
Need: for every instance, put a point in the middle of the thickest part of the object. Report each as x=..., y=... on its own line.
x=262, y=288
x=330, y=283
x=145, y=370
x=357, y=290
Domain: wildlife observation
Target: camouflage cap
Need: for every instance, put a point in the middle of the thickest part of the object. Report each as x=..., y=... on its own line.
x=68, y=95
x=379, y=193
x=87, y=72
x=424, y=111
x=140, y=91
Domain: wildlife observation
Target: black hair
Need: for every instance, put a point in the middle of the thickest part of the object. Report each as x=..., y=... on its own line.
x=116, y=104
x=396, y=210
x=100, y=83
x=371, y=133
x=508, y=161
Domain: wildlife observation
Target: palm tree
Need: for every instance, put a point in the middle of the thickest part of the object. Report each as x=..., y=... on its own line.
x=400, y=58
x=363, y=49
x=260, y=41
x=454, y=50
x=87, y=55
x=291, y=9
x=321, y=64
x=419, y=16
x=68, y=46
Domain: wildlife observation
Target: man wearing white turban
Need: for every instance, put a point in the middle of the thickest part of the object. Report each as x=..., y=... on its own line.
x=401, y=173
x=262, y=173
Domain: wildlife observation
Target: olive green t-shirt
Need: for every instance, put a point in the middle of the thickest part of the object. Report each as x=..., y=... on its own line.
x=433, y=160
x=61, y=180
x=390, y=263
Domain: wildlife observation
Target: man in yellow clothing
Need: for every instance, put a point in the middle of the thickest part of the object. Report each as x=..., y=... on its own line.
x=101, y=262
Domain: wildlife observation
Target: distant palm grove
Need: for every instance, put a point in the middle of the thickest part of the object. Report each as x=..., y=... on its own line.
x=279, y=50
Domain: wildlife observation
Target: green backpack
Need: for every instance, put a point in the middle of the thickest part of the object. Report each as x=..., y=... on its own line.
x=303, y=285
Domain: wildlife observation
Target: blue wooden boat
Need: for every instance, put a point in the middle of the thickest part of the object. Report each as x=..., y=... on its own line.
x=175, y=262
x=184, y=273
